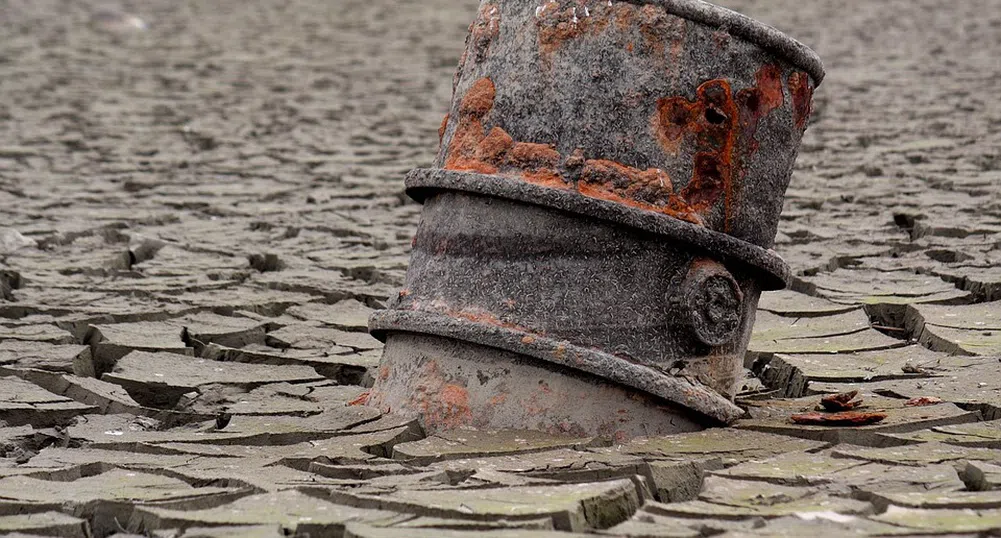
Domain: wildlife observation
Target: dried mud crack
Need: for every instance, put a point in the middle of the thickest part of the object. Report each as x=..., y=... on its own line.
x=202, y=205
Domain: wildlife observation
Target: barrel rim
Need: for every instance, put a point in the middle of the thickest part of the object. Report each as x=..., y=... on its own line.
x=772, y=271
x=744, y=27
x=678, y=390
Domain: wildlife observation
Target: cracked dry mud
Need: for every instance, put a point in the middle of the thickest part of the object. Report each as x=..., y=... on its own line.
x=203, y=202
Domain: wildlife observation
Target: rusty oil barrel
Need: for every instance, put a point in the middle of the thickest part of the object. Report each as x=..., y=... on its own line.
x=596, y=227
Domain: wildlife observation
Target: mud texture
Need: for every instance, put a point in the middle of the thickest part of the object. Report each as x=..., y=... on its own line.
x=203, y=203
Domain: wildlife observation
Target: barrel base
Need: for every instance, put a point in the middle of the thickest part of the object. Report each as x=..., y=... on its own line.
x=448, y=384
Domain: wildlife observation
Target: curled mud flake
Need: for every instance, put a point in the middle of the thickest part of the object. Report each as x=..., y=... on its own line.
x=845, y=418
x=841, y=402
x=923, y=401
x=494, y=146
x=802, y=98
x=531, y=155
x=484, y=30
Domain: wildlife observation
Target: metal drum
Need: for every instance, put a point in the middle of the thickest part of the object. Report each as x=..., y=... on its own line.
x=596, y=226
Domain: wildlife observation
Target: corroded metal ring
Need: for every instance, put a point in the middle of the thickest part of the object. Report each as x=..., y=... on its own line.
x=674, y=389
x=771, y=270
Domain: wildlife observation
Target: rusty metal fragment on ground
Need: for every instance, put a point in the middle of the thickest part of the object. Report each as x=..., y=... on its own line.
x=597, y=224
x=841, y=402
x=844, y=418
x=923, y=401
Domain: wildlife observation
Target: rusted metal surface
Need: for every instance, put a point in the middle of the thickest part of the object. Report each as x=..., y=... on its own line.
x=844, y=418
x=841, y=402
x=923, y=401
x=452, y=383
x=609, y=181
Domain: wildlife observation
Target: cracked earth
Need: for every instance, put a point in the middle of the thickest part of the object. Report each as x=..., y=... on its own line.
x=202, y=205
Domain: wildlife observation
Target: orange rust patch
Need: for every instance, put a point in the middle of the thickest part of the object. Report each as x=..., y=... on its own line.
x=472, y=150
x=527, y=339
x=845, y=418
x=494, y=146
x=383, y=373
x=675, y=207
x=443, y=405
x=479, y=99
x=498, y=399
x=475, y=105
x=473, y=314
x=649, y=189
x=546, y=178
x=717, y=124
x=712, y=120
x=802, y=98
x=652, y=183
x=470, y=165
x=455, y=406
x=531, y=155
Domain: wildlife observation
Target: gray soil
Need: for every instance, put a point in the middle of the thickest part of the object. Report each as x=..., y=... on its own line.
x=202, y=202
